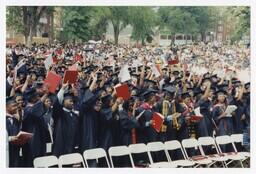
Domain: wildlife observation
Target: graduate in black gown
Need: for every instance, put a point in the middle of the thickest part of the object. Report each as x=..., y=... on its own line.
x=128, y=122
x=107, y=121
x=33, y=122
x=13, y=128
x=66, y=124
x=89, y=117
x=146, y=133
x=224, y=124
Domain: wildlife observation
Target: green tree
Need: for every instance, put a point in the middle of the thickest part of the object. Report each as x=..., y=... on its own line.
x=118, y=16
x=98, y=22
x=143, y=20
x=25, y=19
x=76, y=23
x=178, y=20
x=242, y=27
x=204, y=17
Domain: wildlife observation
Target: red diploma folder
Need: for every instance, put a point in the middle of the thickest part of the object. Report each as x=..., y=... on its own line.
x=123, y=91
x=70, y=76
x=53, y=80
x=158, y=120
x=196, y=118
x=22, y=138
x=173, y=62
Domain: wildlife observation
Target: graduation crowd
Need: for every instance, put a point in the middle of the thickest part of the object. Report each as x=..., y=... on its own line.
x=87, y=114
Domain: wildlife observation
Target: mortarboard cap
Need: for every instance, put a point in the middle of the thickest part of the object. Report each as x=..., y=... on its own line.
x=221, y=92
x=185, y=95
x=170, y=89
x=68, y=95
x=10, y=100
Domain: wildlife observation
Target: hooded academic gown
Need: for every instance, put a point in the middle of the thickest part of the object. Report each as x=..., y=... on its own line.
x=33, y=122
x=205, y=126
x=13, y=128
x=127, y=124
x=89, y=122
x=106, y=123
x=65, y=131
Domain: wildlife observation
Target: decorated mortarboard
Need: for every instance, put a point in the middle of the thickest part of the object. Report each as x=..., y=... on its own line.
x=10, y=100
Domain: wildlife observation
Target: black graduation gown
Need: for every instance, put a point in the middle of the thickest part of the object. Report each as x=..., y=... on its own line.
x=89, y=122
x=106, y=123
x=225, y=124
x=183, y=132
x=238, y=123
x=146, y=134
x=205, y=126
x=65, y=131
x=13, y=128
x=127, y=124
x=33, y=122
x=8, y=88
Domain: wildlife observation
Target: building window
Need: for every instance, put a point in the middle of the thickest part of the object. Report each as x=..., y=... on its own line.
x=169, y=37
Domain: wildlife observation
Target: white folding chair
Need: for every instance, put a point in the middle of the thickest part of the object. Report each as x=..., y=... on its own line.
x=119, y=151
x=233, y=156
x=200, y=159
x=156, y=147
x=45, y=161
x=138, y=149
x=95, y=154
x=238, y=138
x=209, y=141
x=72, y=158
x=175, y=145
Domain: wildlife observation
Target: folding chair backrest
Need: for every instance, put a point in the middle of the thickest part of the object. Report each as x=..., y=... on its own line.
x=156, y=147
x=95, y=154
x=237, y=138
x=138, y=148
x=222, y=140
x=45, y=161
x=190, y=143
x=174, y=145
x=119, y=151
x=207, y=141
x=69, y=159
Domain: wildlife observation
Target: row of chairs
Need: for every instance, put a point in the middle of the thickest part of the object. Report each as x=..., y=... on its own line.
x=188, y=161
